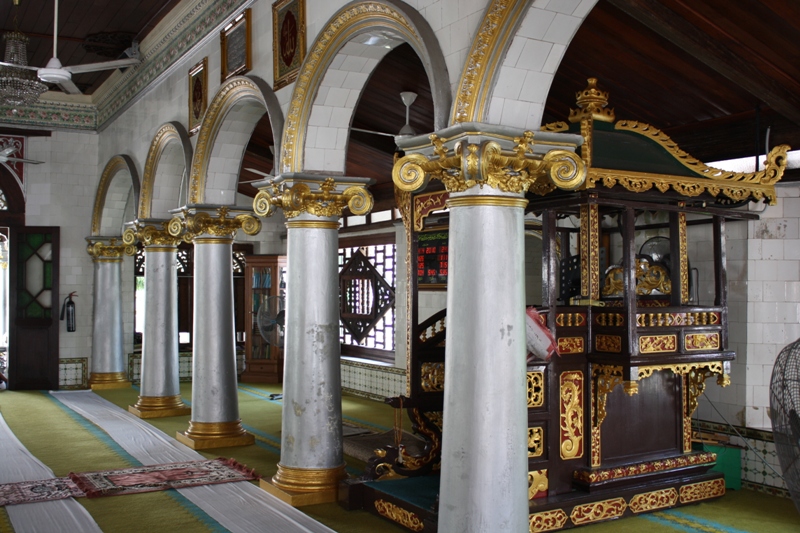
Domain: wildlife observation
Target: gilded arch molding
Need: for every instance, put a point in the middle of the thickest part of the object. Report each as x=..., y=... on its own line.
x=235, y=91
x=171, y=132
x=351, y=20
x=115, y=164
x=495, y=33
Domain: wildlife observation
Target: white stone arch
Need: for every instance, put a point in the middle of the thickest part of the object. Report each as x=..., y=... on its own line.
x=513, y=59
x=227, y=126
x=336, y=70
x=116, y=197
x=165, y=171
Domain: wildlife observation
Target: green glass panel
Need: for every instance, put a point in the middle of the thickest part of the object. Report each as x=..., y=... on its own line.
x=35, y=310
x=25, y=251
x=23, y=299
x=36, y=240
x=48, y=275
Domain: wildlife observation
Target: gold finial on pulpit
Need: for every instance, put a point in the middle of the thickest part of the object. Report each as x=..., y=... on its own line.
x=592, y=102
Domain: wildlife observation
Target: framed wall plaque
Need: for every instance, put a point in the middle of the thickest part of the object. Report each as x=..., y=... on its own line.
x=289, y=40
x=236, y=46
x=198, y=94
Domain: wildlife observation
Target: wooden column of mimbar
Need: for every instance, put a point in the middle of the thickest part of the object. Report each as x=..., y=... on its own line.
x=108, y=362
x=486, y=170
x=159, y=390
x=215, y=418
x=311, y=464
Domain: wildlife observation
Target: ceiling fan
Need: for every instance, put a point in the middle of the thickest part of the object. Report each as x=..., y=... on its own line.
x=408, y=98
x=5, y=156
x=55, y=72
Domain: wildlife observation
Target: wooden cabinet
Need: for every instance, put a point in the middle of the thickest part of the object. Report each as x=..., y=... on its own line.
x=265, y=288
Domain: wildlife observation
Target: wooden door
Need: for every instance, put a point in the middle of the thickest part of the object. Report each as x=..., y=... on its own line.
x=33, y=308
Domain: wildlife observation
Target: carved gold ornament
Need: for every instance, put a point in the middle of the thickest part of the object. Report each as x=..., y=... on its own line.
x=191, y=226
x=595, y=512
x=569, y=345
x=537, y=483
x=547, y=521
x=658, y=343
x=592, y=104
x=100, y=250
x=299, y=198
x=652, y=501
x=608, y=343
x=432, y=377
x=415, y=462
x=602, y=475
x=535, y=389
x=702, y=491
x=571, y=415
x=683, y=257
x=701, y=341
x=590, y=251
x=535, y=442
x=399, y=515
x=515, y=171
x=149, y=235
x=650, y=279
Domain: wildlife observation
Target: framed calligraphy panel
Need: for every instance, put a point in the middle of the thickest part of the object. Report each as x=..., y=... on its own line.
x=198, y=94
x=235, y=41
x=289, y=40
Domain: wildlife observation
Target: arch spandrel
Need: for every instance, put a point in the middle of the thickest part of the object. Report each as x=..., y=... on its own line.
x=169, y=156
x=545, y=30
x=116, y=165
x=220, y=146
x=397, y=19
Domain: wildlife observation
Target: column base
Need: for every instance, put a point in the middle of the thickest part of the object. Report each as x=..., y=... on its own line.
x=305, y=486
x=204, y=435
x=108, y=380
x=159, y=407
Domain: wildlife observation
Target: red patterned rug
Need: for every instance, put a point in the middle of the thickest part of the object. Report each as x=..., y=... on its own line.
x=127, y=481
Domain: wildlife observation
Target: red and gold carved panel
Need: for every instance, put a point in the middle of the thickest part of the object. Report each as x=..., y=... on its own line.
x=570, y=320
x=665, y=320
x=608, y=343
x=701, y=341
x=610, y=319
x=595, y=446
x=427, y=203
x=535, y=389
x=571, y=414
x=537, y=484
x=568, y=345
x=595, y=512
x=535, y=442
x=658, y=343
x=653, y=501
x=703, y=490
x=607, y=474
x=547, y=521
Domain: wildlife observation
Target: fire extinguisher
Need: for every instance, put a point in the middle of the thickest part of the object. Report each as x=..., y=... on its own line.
x=68, y=311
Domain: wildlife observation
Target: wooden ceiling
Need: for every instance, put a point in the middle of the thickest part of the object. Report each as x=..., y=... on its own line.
x=712, y=74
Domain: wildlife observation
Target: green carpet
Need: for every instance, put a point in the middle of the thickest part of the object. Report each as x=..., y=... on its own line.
x=66, y=442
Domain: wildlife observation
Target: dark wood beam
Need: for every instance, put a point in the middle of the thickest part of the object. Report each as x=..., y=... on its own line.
x=676, y=29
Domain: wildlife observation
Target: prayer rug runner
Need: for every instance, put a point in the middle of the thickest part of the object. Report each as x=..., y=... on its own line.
x=127, y=481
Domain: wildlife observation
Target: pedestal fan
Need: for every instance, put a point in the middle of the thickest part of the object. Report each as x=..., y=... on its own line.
x=270, y=320
x=784, y=399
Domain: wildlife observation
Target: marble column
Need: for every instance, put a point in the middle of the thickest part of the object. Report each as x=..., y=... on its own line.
x=108, y=360
x=215, y=418
x=159, y=390
x=311, y=464
x=484, y=465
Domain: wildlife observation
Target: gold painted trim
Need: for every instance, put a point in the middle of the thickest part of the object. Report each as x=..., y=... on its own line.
x=398, y=514
x=232, y=91
x=597, y=511
x=480, y=69
x=308, y=479
x=494, y=201
x=165, y=135
x=571, y=414
x=160, y=248
x=312, y=224
x=106, y=260
x=535, y=386
x=702, y=491
x=97, y=378
x=658, y=343
x=537, y=483
x=547, y=521
x=590, y=251
x=653, y=501
x=683, y=248
x=535, y=442
x=114, y=165
x=344, y=24
x=212, y=240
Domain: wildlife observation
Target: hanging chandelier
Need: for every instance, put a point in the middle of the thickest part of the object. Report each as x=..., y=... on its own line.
x=19, y=86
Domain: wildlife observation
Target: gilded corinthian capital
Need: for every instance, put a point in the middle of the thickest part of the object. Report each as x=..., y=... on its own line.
x=195, y=222
x=470, y=154
x=104, y=248
x=293, y=193
x=149, y=233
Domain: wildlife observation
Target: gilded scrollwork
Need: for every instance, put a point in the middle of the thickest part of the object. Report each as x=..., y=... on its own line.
x=684, y=258
x=652, y=501
x=547, y=521
x=590, y=251
x=650, y=279
x=535, y=441
x=702, y=491
x=658, y=343
x=192, y=225
x=537, y=483
x=571, y=415
x=149, y=235
x=597, y=511
x=432, y=377
x=535, y=388
x=325, y=202
x=515, y=170
x=606, y=378
x=100, y=250
x=398, y=514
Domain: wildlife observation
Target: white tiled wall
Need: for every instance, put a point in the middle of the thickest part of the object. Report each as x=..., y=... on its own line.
x=372, y=380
